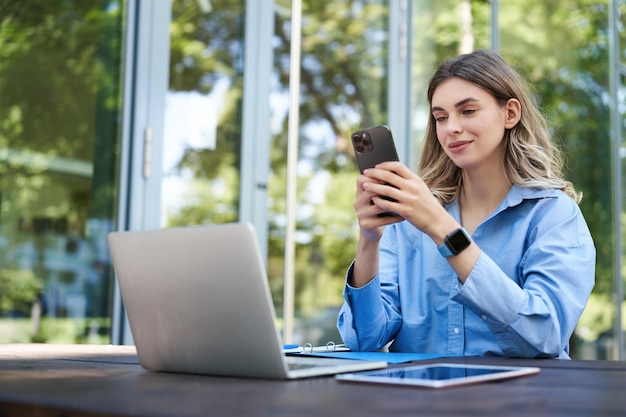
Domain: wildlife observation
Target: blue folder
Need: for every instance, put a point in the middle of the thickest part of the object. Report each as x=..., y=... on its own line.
x=390, y=357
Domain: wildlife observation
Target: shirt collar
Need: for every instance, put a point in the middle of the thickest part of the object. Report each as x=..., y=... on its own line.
x=517, y=194
x=514, y=197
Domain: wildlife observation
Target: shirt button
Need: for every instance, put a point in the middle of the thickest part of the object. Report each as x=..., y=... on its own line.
x=484, y=317
x=456, y=330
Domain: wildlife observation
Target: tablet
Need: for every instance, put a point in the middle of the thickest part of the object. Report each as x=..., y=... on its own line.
x=438, y=375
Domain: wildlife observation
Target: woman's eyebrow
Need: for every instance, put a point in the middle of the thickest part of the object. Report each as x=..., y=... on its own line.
x=465, y=101
x=457, y=105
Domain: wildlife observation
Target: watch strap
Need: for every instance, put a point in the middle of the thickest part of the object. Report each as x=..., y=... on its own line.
x=444, y=250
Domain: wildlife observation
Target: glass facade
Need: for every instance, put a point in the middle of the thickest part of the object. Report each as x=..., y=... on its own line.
x=343, y=72
x=202, y=144
x=60, y=64
x=571, y=85
x=62, y=156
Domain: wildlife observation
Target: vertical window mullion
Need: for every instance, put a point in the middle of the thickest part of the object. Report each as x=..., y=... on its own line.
x=399, y=79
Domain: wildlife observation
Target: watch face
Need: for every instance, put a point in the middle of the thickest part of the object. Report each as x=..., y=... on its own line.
x=458, y=241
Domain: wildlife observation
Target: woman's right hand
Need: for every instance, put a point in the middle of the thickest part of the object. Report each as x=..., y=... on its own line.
x=372, y=219
x=371, y=226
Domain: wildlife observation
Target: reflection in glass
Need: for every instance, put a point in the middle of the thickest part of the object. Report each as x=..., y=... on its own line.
x=572, y=85
x=441, y=30
x=202, y=146
x=436, y=373
x=59, y=100
x=343, y=88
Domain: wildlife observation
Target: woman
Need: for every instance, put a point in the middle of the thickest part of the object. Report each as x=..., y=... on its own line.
x=489, y=253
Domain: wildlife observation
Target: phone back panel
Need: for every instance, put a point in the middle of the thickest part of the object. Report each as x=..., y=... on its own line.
x=372, y=146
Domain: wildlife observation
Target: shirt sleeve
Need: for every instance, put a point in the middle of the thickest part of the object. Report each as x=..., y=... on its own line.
x=536, y=316
x=369, y=317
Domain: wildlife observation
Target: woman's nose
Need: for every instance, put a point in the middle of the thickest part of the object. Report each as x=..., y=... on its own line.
x=453, y=125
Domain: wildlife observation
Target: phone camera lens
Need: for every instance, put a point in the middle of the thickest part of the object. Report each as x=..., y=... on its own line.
x=360, y=148
x=356, y=139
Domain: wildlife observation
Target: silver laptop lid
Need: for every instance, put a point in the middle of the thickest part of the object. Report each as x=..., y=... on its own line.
x=198, y=300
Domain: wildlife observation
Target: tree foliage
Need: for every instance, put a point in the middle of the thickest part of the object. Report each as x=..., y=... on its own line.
x=18, y=289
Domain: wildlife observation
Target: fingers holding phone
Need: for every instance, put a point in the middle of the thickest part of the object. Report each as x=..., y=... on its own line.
x=385, y=185
x=364, y=203
x=371, y=217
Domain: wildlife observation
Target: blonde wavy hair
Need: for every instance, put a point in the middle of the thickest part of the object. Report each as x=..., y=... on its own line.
x=531, y=159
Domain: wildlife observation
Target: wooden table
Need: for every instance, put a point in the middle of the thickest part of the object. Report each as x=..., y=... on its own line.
x=87, y=380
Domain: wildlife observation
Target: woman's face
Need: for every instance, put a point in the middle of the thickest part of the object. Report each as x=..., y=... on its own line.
x=470, y=124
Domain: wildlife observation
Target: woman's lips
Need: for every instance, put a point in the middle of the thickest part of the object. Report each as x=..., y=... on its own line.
x=459, y=146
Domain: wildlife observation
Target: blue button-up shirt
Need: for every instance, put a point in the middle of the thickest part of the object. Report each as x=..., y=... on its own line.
x=523, y=297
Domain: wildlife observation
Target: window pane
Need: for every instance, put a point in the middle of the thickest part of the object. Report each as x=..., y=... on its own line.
x=572, y=86
x=59, y=100
x=202, y=147
x=343, y=88
x=442, y=30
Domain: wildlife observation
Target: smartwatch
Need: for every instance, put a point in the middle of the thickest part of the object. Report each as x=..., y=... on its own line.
x=455, y=242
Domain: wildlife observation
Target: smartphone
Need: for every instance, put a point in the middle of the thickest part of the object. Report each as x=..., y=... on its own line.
x=372, y=146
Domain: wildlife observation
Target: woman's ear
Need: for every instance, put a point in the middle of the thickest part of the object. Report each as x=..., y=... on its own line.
x=512, y=112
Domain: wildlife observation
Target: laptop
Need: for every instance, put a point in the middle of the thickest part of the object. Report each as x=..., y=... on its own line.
x=198, y=301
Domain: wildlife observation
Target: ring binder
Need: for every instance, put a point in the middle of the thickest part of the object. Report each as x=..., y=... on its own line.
x=309, y=348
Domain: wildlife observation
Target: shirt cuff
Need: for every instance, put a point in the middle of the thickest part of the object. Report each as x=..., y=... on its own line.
x=365, y=300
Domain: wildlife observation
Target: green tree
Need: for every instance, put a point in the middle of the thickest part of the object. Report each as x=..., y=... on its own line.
x=18, y=290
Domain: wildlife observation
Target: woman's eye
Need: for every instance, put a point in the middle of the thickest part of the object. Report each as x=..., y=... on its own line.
x=440, y=119
x=469, y=111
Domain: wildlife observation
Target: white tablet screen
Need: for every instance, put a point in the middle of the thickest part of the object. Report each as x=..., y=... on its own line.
x=438, y=375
